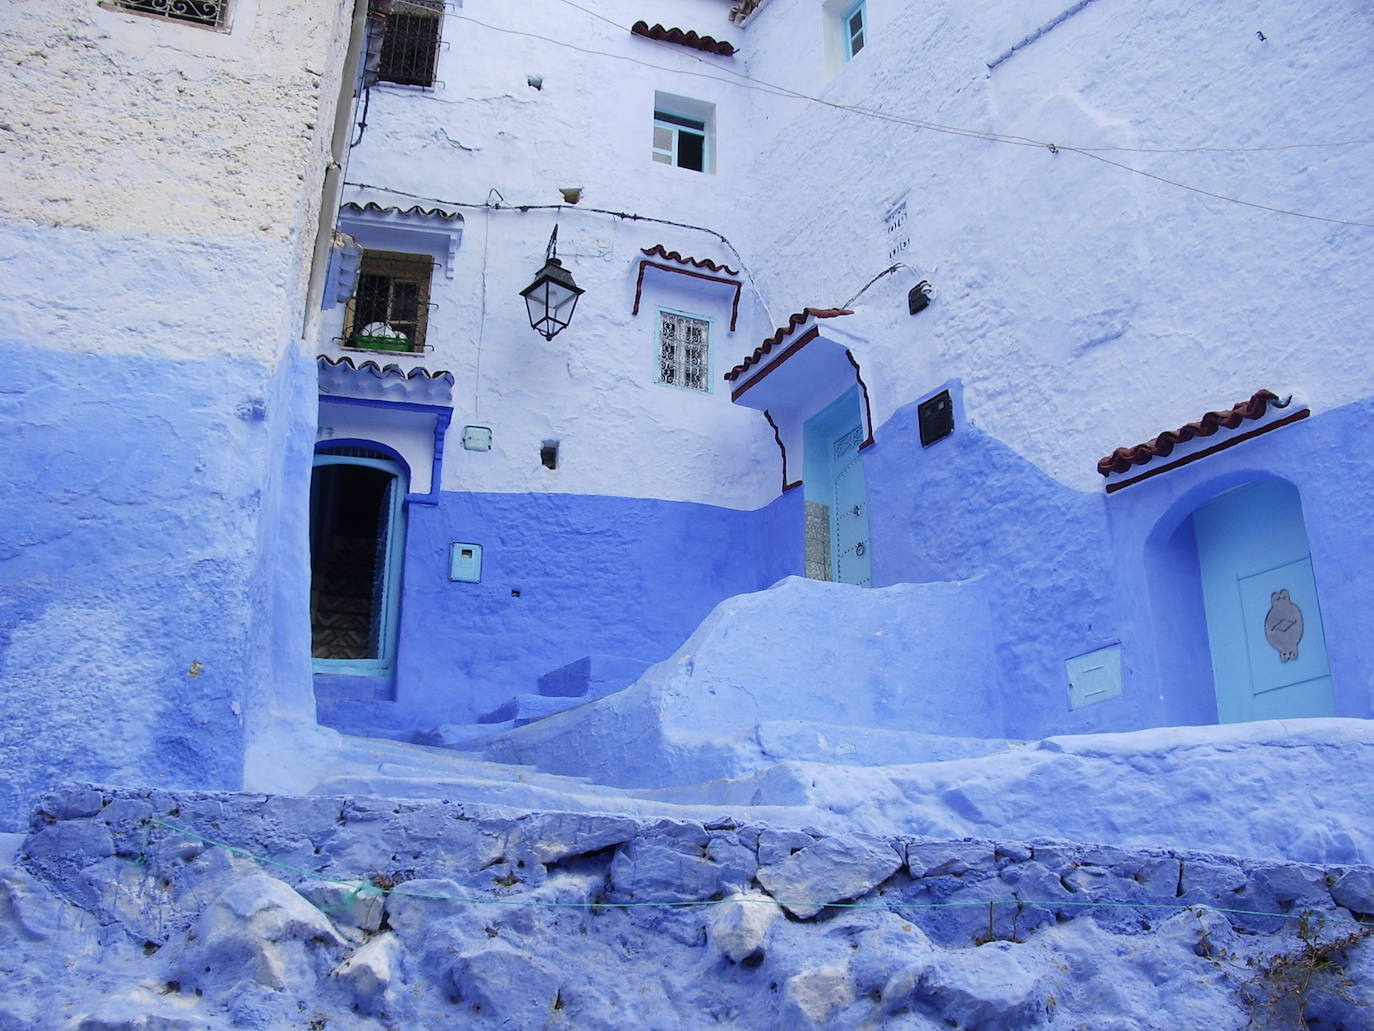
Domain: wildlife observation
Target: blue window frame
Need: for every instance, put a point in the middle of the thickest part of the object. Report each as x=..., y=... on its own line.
x=357, y=542
x=853, y=28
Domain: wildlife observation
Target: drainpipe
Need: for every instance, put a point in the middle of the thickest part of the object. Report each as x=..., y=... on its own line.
x=334, y=171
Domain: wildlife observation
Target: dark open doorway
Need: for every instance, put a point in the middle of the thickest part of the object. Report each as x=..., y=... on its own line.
x=356, y=542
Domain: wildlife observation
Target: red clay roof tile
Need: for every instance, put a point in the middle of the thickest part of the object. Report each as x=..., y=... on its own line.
x=1161, y=446
x=709, y=44
x=793, y=321
x=659, y=251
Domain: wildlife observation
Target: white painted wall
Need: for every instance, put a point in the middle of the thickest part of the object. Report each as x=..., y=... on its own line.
x=592, y=387
x=182, y=164
x=1084, y=306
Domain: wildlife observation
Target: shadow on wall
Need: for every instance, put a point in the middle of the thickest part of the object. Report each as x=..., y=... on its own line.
x=969, y=506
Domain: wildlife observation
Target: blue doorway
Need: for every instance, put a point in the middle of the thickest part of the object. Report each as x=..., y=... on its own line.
x=837, y=538
x=1264, y=625
x=357, y=540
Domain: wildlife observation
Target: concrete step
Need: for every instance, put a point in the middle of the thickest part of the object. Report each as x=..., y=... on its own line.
x=527, y=708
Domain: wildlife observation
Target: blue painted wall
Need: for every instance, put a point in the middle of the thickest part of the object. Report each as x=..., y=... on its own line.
x=622, y=580
x=969, y=506
x=1075, y=571
x=137, y=598
x=1065, y=572
x=1150, y=523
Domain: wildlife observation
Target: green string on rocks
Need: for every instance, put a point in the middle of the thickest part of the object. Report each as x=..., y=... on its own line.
x=369, y=889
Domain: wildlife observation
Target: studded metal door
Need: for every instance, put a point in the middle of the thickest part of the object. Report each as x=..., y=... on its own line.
x=849, y=510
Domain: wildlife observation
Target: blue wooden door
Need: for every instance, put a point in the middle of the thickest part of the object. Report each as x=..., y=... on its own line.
x=1263, y=618
x=835, y=478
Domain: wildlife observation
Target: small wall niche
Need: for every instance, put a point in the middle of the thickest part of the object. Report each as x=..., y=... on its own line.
x=548, y=454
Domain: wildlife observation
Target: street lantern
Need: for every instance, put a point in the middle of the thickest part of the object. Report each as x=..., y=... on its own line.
x=553, y=295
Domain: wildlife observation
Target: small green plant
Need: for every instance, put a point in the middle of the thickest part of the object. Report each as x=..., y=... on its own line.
x=1286, y=986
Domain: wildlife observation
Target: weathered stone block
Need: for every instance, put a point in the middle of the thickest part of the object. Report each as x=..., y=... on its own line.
x=829, y=871
x=1354, y=889
x=775, y=845
x=71, y=802
x=368, y=973
x=505, y=985
x=738, y=927
x=261, y=930
x=988, y=988
x=812, y=997
x=662, y=870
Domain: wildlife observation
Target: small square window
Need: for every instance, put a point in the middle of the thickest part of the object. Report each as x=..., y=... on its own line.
x=679, y=141
x=410, y=43
x=390, y=309
x=852, y=29
x=684, y=351
x=208, y=13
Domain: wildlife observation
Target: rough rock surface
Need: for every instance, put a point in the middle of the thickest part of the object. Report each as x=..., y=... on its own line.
x=203, y=912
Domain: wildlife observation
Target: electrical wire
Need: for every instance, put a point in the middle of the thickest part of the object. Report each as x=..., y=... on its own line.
x=952, y=130
x=1001, y=137
x=1220, y=196
x=627, y=216
x=482, y=310
x=362, y=122
x=885, y=272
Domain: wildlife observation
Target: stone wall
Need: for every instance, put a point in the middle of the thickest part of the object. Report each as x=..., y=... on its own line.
x=402, y=911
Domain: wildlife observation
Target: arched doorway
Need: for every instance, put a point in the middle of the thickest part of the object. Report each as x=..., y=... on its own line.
x=357, y=540
x=1259, y=597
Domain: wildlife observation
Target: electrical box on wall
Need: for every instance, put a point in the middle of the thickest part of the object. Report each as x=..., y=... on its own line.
x=477, y=438
x=465, y=563
x=1094, y=677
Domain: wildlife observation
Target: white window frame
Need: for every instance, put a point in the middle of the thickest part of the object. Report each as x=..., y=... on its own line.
x=676, y=116
x=708, y=373
x=673, y=125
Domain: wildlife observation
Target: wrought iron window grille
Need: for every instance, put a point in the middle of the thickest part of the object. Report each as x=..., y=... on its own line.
x=389, y=310
x=411, y=38
x=209, y=14
x=684, y=351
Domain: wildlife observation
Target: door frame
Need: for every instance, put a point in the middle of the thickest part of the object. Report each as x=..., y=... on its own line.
x=389, y=610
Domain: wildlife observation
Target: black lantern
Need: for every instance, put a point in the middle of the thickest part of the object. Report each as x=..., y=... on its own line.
x=553, y=295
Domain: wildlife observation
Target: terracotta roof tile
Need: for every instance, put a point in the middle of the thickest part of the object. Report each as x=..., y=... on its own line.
x=659, y=251
x=1161, y=446
x=709, y=44
x=781, y=334
x=383, y=371
x=414, y=210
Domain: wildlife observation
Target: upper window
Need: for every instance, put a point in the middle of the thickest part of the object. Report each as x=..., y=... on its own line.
x=679, y=141
x=684, y=351
x=390, y=310
x=410, y=45
x=852, y=27
x=209, y=13
x=683, y=131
